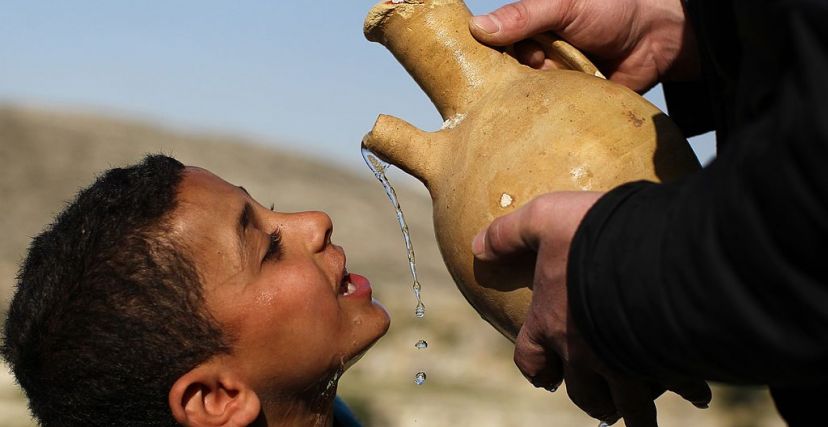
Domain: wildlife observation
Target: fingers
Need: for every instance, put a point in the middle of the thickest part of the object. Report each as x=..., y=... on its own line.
x=551, y=218
x=634, y=402
x=509, y=234
x=520, y=20
x=588, y=390
x=542, y=368
x=537, y=55
x=696, y=392
x=530, y=53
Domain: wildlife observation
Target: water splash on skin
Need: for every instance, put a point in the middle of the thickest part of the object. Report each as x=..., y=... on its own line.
x=326, y=388
x=332, y=381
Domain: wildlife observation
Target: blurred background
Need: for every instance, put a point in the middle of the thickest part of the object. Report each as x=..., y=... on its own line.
x=275, y=96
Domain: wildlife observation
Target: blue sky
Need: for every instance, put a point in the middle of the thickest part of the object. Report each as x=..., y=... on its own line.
x=294, y=73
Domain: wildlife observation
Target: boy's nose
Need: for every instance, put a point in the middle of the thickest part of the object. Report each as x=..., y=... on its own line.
x=316, y=228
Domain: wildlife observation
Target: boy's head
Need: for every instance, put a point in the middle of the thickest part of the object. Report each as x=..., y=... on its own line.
x=164, y=294
x=105, y=295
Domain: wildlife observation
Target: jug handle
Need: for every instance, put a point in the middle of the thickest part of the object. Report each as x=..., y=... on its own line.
x=565, y=55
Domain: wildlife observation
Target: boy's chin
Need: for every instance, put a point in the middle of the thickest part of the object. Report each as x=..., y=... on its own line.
x=381, y=329
x=374, y=322
x=353, y=360
x=378, y=305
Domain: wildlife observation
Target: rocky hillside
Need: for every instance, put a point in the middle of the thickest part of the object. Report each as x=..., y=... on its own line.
x=46, y=156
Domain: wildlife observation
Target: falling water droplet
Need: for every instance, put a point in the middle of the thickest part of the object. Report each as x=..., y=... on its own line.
x=420, y=310
x=420, y=378
x=603, y=424
x=421, y=345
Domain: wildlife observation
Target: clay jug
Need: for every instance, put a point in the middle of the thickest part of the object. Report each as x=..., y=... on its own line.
x=510, y=133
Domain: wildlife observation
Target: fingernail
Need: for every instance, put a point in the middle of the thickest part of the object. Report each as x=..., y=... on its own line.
x=540, y=382
x=479, y=244
x=487, y=23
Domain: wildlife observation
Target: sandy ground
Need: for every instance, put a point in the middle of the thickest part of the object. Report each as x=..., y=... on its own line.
x=46, y=156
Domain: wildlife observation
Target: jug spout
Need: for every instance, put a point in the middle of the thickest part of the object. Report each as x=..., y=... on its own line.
x=431, y=39
x=405, y=146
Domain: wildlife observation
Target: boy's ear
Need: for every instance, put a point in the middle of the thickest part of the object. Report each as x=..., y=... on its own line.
x=211, y=396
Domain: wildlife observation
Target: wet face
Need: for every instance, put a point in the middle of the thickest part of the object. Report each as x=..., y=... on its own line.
x=276, y=285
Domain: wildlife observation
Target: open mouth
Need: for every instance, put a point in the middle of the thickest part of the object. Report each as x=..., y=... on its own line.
x=346, y=287
x=354, y=286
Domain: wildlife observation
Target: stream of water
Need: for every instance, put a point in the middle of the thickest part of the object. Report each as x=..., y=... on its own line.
x=378, y=167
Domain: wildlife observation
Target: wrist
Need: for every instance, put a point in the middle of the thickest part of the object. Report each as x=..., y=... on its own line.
x=674, y=42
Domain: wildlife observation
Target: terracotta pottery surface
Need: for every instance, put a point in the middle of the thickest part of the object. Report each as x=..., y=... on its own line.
x=510, y=133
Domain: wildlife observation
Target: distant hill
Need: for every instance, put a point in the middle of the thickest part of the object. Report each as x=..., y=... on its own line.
x=46, y=156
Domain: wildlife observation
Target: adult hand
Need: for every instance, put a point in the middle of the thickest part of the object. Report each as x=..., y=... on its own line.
x=549, y=348
x=636, y=43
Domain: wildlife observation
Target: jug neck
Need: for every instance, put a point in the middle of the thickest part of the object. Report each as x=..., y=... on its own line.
x=431, y=39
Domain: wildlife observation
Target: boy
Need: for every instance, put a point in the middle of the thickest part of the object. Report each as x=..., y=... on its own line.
x=165, y=295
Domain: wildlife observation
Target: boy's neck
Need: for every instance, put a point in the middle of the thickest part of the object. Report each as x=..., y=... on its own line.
x=316, y=411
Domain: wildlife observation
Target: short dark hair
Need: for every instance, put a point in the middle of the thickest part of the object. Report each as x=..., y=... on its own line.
x=109, y=310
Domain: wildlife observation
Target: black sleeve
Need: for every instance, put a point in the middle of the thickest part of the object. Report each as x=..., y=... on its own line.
x=700, y=105
x=689, y=106
x=724, y=275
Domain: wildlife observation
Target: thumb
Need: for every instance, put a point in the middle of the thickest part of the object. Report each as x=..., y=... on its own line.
x=520, y=20
x=510, y=234
x=543, y=368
